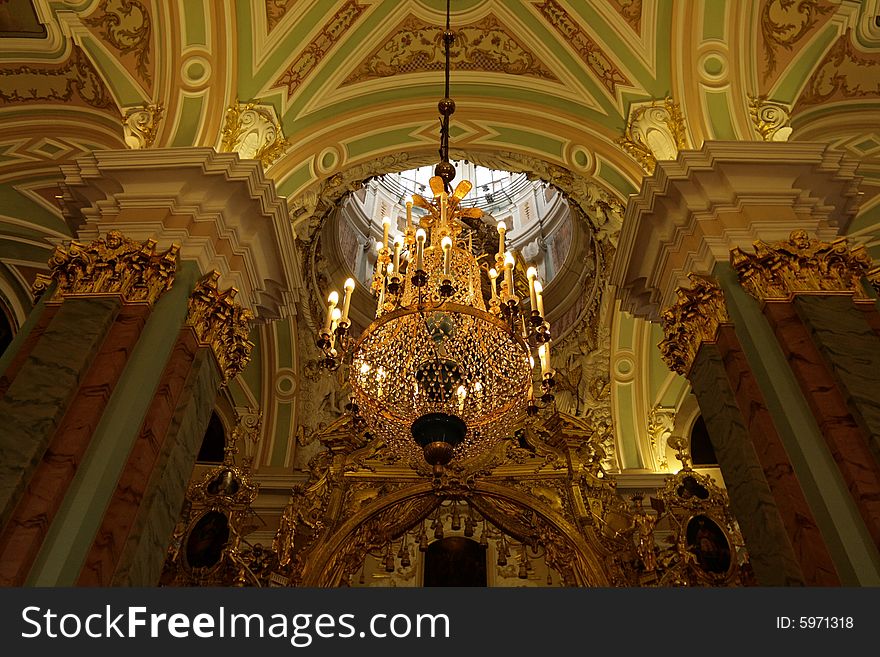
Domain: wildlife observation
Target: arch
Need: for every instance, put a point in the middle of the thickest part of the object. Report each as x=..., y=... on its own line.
x=341, y=552
x=455, y=561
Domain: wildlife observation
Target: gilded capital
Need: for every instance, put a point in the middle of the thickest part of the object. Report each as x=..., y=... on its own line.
x=221, y=324
x=112, y=265
x=801, y=265
x=253, y=131
x=691, y=321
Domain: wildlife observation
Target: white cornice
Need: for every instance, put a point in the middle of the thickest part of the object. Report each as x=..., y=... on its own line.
x=695, y=209
x=221, y=210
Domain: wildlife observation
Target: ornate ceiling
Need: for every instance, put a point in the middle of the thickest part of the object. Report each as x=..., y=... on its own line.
x=559, y=88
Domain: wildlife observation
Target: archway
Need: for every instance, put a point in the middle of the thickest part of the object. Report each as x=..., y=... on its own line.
x=580, y=560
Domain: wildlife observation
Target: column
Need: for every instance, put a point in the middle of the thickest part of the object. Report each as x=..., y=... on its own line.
x=784, y=542
x=783, y=380
x=132, y=382
x=810, y=291
x=57, y=385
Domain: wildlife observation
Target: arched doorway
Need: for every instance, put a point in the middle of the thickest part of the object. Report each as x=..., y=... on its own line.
x=455, y=561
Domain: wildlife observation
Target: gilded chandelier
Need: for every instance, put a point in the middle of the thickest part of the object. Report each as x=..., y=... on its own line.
x=437, y=373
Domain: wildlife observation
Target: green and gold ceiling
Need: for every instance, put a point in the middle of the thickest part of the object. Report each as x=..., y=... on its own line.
x=355, y=83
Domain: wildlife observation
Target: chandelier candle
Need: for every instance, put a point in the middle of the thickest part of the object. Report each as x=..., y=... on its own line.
x=421, y=236
x=332, y=300
x=539, y=289
x=532, y=273
x=346, y=301
x=508, y=277
x=386, y=226
x=493, y=275
x=398, y=245
x=409, y=223
x=446, y=243
x=502, y=228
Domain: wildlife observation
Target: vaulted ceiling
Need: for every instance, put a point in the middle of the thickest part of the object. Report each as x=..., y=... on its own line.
x=355, y=85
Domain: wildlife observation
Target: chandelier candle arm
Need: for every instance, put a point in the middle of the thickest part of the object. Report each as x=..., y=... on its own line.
x=444, y=201
x=409, y=221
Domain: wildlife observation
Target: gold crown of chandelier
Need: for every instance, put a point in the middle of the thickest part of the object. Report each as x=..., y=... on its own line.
x=437, y=373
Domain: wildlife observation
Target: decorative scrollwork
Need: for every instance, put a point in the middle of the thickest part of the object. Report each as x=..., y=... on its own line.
x=802, y=265
x=254, y=132
x=110, y=265
x=786, y=32
x=417, y=46
x=57, y=83
x=221, y=324
x=140, y=125
x=654, y=132
x=126, y=25
x=771, y=120
x=691, y=321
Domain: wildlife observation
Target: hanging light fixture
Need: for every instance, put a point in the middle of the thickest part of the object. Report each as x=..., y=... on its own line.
x=437, y=373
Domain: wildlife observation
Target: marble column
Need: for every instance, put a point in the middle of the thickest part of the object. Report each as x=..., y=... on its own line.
x=785, y=544
x=42, y=387
x=132, y=386
x=27, y=527
x=800, y=379
x=842, y=330
x=851, y=447
x=130, y=544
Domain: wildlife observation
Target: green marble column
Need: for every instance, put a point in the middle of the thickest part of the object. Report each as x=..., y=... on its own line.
x=852, y=350
x=43, y=387
x=855, y=556
x=72, y=532
x=751, y=500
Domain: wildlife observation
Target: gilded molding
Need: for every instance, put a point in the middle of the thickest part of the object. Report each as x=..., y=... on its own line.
x=784, y=23
x=771, y=120
x=310, y=57
x=221, y=324
x=654, y=131
x=110, y=265
x=600, y=64
x=65, y=83
x=127, y=27
x=691, y=321
x=416, y=46
x=801, y=265
x=254, y=132
x=140, y=125
x=661, y=421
